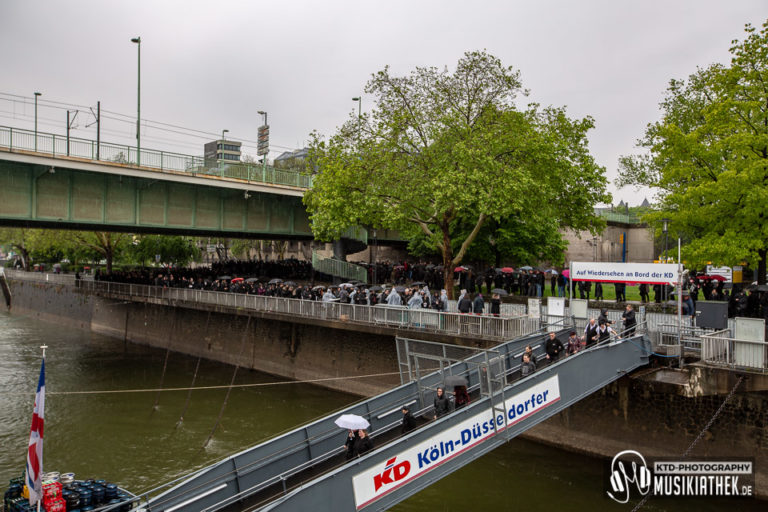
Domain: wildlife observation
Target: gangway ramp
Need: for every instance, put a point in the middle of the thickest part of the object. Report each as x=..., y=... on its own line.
x=305, y=468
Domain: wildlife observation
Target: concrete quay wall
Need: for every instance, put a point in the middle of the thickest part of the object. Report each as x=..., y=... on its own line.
x=296, y=351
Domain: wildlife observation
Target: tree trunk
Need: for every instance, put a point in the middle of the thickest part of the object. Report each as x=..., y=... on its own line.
x=447, y=264
x=108, y=256
x=761, y=266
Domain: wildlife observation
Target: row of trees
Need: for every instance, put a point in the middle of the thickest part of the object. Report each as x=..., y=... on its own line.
x=83, y=247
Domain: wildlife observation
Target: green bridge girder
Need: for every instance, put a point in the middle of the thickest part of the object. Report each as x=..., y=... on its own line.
x=53, y=196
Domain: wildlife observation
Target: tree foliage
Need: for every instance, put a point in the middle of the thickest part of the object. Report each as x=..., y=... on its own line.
x=443, y=153
x=707, y=158
x=172, y=250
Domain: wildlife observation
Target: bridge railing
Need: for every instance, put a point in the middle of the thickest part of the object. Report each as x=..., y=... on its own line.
x=481, y=326
x=15, y=139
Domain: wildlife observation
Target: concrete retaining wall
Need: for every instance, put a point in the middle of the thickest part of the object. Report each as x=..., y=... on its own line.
x=302, y=352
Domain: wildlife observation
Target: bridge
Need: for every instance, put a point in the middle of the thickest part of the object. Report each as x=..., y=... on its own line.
x=52, y=181
x=305, y=469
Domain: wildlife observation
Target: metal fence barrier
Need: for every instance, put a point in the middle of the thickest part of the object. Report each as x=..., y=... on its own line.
x=719, y=348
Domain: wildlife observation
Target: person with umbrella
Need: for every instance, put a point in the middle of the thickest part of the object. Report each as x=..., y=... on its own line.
x=352, y=437
x=363, y=443
x=496, y=303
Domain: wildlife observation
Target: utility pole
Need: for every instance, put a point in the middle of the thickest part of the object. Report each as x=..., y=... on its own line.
x=137, y=40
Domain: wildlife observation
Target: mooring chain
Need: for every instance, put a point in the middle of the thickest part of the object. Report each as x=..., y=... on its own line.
x=701, y=434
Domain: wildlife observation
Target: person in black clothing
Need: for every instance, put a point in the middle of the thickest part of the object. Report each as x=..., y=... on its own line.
x=643, y=292
x=465, y=304
x=554, y=347
x=363, y=443
x=495, y=304
x=598, y=291
x=442, y=404
x=629, y=320
x=352, y=437
x=603, y=318
x=409, y=422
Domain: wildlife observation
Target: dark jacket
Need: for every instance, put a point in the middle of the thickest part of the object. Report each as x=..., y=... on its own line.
x=350, y=444
x=495, y=306
x=478, y=304
x=409, y=422
x=465, y=305
x=362, y=445
x=554, y=348
x=442, y=405
x=629, y=319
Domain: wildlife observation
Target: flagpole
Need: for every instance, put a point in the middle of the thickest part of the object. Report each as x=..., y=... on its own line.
x=40, y=500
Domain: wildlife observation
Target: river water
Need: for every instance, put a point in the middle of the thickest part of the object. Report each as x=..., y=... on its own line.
x=136, y=438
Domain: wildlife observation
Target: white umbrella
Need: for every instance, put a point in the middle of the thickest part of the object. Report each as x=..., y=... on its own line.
x=352, y=422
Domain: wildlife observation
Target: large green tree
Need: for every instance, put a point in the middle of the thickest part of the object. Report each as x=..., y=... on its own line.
x=440, y=147
x=708, y=158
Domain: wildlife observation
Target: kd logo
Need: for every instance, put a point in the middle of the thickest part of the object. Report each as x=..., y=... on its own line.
x=620, y=480
x=392, y=473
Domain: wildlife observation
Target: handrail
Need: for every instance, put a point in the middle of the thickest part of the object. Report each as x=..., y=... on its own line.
x=338, y=268
x=61, y=146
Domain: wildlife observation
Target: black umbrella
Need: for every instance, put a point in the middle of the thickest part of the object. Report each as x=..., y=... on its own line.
x=455, y=380
x=758, y=288
x=252, y=280
x=400, y=289
x=500, y=291
x=418, y=283
x=289, y=283
x=224, y=278
x=318, y=287
x=376, y=288
x=275, y=281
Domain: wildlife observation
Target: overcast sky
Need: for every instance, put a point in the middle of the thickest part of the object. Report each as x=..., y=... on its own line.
x=212, y=65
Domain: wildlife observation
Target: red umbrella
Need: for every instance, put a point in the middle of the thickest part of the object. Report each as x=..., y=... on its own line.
x=717, y=278
x=237, y=279
x=507, y=270
x=459, y=269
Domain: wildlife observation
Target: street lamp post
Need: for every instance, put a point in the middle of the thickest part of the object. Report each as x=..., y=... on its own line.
x=359, y=100
x=594, y=248
x=137, y=40
x=223, y=138
x=665, y=230
x=36, y=95
x=264, y=162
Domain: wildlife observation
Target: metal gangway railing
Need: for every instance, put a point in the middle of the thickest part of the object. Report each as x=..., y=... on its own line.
x=50, y=144
x=305, y=469
x=483, y=326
